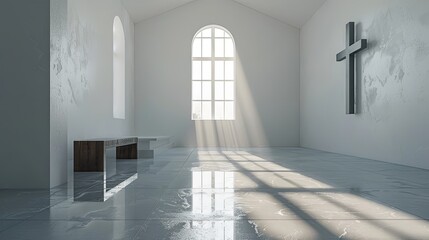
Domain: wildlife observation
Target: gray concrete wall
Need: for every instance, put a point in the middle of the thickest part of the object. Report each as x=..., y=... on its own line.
x=24, y=94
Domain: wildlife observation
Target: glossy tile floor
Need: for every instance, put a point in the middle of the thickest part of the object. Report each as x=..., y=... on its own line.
x=257, y=193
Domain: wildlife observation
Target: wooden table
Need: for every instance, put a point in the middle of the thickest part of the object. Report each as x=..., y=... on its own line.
x=90, y=155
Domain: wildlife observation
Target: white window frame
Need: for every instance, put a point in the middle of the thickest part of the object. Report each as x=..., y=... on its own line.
x=213, y=80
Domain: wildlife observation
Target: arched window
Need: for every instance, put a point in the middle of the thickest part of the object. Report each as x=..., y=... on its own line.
x=213, y=74
x=118, y=69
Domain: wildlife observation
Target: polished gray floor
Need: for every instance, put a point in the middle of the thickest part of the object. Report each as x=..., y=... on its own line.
x=255, y=193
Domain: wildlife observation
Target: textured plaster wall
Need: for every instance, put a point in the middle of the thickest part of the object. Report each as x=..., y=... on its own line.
x=58, y=93
x=267, y=77
x=393, y=97
x=82, y=77
x=89, y=80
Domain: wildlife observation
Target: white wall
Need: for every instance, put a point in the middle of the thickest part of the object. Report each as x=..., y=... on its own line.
x=82, y=77
x=267, y=77
x=393, y=97
x=90, y=66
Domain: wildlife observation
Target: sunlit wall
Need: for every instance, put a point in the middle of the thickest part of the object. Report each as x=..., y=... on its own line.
x=267, y=77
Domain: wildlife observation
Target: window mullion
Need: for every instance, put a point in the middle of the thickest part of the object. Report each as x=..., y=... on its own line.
x=224, y=75
x=201, y=67
x=213, y=73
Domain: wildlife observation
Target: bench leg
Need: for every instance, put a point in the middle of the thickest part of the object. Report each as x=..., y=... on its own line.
x=89, y=156
x=127, y=152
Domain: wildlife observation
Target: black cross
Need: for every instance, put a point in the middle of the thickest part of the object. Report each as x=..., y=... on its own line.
x=352, y=48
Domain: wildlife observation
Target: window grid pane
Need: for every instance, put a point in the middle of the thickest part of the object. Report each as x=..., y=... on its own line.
x=196, y=110
x=206, y=91
x=219, y=90
x=219, y=70
x=207, y=47
x=206, y=70
x=219, y=110
x=219, y=47
x=196, y=70
x=207, y=33
x=196, y=48
x=206, y=110
x=219, y=33
x=229, y=48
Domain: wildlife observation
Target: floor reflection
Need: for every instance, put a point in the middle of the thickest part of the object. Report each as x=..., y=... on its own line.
x=100, y=186
x=208, y=197
x=218, y=230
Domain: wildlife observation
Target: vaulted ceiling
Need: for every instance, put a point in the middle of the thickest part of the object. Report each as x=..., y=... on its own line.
x=293, y=12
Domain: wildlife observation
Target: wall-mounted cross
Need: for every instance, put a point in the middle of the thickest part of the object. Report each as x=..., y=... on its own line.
x=352, y=48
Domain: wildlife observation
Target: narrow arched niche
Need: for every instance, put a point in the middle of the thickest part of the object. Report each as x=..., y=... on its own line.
x=118, y=69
